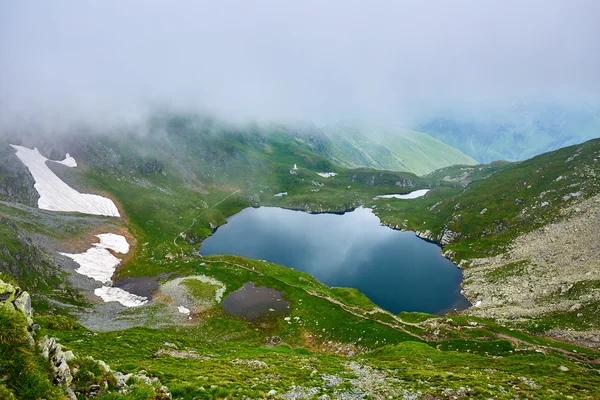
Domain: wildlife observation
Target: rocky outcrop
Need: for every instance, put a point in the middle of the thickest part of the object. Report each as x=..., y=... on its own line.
x=552, y=269
x=448, y=237
x=17, y=300
x=426, y=234
x=107, y=381
x=16, y=183
x=65, y=365
x=53, y=351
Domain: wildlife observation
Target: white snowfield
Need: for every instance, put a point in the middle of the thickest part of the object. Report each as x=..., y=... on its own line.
x=68, y=161
x=184, y=310
x=109, y=293
x=326, y=174
x=114, y=242
x=99, y=264
x=56, y=195
x=411, y=195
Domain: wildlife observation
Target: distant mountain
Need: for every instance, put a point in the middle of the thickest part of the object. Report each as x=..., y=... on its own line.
x=355, y=145
x=516, y=133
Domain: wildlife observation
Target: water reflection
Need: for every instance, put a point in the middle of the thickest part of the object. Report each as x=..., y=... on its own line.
x=396, y=270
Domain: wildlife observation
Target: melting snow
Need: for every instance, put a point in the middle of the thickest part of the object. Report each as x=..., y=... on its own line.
x=184, y=310
x=326, y=174
x=96, y=263
x=68, y=161
x=99, y=264
x=280, y=194
x=114, y=242
x=109, y=293
x=411, y=195
x=56, y=195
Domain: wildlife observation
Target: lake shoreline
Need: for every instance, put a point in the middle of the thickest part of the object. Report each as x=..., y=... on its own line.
x=459, y=304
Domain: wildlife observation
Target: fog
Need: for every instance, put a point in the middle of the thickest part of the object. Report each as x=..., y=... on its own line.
x=111, y=62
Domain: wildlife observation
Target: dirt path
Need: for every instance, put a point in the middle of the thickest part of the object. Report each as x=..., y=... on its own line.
x=198, y=216
x=354, y=310
x=400, y=324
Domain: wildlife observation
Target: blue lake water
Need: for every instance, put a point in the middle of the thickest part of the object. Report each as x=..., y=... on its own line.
x=397, y=270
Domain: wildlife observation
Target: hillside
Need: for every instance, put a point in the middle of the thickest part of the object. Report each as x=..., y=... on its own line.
x=525, y=234
x=178, y=181
x=354, y=145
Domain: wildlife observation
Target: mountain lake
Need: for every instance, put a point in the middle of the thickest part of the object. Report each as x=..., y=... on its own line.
x=397, y=270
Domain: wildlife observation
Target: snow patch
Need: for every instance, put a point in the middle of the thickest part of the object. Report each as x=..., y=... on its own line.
x=99, y=263
x=109, y=293
x=56, y=195
x=113, y=242
x=96, y=263
x=411, y=195
x=184, y=310
x=68, y=161
x=280, y=194
x=326, y=174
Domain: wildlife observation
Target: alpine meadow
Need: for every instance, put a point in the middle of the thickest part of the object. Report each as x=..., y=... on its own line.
x=299, y=200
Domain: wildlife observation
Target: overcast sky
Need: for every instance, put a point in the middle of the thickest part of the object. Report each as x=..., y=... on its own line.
x=318, y=60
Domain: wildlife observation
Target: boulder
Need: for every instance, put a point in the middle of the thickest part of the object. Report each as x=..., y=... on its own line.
x=52, y=351
x=23, y=304
x=7, y=292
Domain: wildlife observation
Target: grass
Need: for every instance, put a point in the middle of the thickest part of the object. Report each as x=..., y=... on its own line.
x=200, y=290
x=413, y=366
x=353, y=145
x=489, y=213
x=25, y=265
x=174, y=197
x=25, y=374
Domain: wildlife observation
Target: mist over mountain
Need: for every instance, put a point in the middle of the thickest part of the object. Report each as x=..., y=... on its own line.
x=516, y=132
x=106, y=63
x=134, y=134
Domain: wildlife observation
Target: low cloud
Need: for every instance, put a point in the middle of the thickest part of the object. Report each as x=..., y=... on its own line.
x=110, y=62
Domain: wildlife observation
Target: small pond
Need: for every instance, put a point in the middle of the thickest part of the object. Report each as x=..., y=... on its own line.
x=397, y=270
x=253, y=302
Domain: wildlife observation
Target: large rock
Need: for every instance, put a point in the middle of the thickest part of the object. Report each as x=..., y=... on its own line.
x=7, y=292
x=52, y=351
x=448, y=236
x=23, y=304
x=14, y=299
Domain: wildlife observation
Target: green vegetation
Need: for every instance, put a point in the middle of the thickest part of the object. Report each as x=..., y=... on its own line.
x=354, y=145
x=490, y=212
x=23, y=263
x=192, y=173
x=199, y=289
x=25, y=374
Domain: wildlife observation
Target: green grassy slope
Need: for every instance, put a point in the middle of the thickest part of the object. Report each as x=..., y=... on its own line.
x=331, y=336
x=353, y=146
x=25, y=374
x=516, y=197
x=179, y=181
